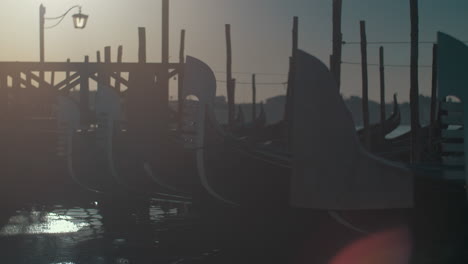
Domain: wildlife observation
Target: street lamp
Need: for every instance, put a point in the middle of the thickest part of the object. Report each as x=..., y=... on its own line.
x=79, y=21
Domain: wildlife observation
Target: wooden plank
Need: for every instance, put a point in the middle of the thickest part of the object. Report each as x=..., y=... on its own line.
x=67, y=81
x=36, y=78
x=27, y=84
x=453, y=147
x=71, y=85
x=9, y=67
x=118, y=79
x=173, y=73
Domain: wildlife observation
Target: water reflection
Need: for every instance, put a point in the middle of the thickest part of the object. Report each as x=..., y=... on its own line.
x=55, y=222
x=104, y=231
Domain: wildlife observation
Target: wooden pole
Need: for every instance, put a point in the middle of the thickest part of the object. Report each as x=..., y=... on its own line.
x=254, y=98
x=107, y=54
x=433, y=116
x=163, y=79
x=180, y=84
x=67, y=75
x=107, y=59
x=4, y=128
x=383, y=115
x=288, y=116
x=119, y=60
x=434, y=86
x=165, y=31
x=229, y=81
x=52, y=79
x=414, y=89
x=42, y=11
x=291, y=75
x=84, y=94
x=365, y=98
x=28, y=81
x=141, y=45
x=337, y=41
x=3, y=106
x=295, y=36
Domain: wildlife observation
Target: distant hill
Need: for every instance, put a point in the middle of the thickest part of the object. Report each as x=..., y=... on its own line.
x=274, y=108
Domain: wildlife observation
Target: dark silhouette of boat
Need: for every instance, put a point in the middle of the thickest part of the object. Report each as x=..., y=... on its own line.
x=378, y=131
x=102, y=159
x=239, y=172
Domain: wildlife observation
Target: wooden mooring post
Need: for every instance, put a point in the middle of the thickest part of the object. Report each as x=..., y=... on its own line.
x=414, y=89
x=84, y=93
x=163, y=78
x=335, y=65
x=254, y=98
x=119, y=60
x=229, y=80
x=288, y=116
x=141, y=45
x=67, y=76
x=180, y=80
x=433, y=117
x=291, y=73
x=107, y=60
x=383, y=114
x=365, y=96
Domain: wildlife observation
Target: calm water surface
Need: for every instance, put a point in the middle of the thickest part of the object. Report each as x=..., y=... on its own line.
x=65, y=230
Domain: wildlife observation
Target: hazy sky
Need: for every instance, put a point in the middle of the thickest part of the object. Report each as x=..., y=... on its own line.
x=261, y=35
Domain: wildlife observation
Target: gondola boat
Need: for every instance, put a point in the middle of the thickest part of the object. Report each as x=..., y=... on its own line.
x=165, y=163
x=93, y=164
x=327, y=183
x=326, y=168
x=260, y=175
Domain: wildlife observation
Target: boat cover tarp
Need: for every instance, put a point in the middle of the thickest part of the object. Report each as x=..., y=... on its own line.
x=331, y=170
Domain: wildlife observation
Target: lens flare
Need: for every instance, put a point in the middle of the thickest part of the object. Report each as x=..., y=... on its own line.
x=388, y=247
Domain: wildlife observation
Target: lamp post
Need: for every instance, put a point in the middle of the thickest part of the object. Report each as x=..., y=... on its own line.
x=79, y=21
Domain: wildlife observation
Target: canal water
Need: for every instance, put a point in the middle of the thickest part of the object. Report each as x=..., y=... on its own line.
x=73, y=230
x=65, y=229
